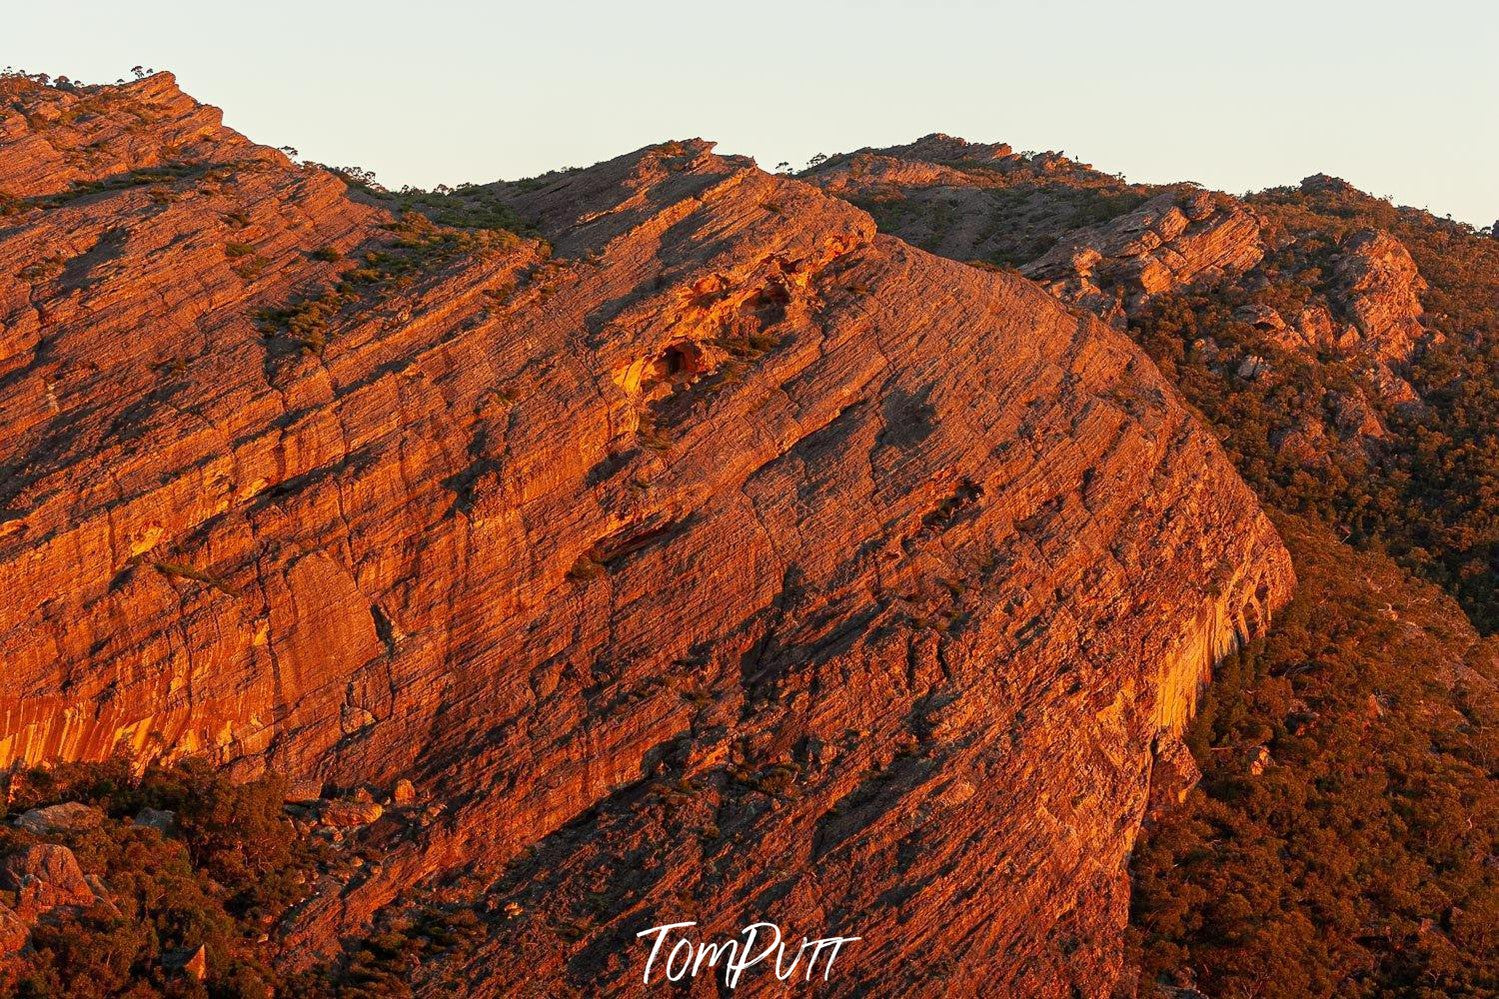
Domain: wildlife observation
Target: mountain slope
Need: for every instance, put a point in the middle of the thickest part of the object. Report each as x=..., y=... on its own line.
x=1344, y=351
x=1341, y=843
x=715, y=557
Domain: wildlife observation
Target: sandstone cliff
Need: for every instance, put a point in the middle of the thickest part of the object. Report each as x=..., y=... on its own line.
x=718, y=558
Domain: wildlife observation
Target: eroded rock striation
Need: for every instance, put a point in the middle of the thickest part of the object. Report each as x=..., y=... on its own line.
x=710, y=556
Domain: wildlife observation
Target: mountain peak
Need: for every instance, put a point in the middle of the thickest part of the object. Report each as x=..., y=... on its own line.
x=61, y=138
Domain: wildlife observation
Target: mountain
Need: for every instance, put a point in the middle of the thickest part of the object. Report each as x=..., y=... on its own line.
x=1344, y=351
x=679, y=544
x=429, y=592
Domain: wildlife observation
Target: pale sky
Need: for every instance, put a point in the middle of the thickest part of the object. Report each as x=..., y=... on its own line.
x=1398, y=98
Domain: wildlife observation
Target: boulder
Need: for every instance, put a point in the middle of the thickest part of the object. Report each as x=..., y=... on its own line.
x=102, y=898
x=1353, y=416
x=1173, y=773
x=1252, y=367
x=70, y=816
x=187, y=961
x=44, y=876
x=1315, y=326
x=160, y=819
x=345, y=813
x=304, y=791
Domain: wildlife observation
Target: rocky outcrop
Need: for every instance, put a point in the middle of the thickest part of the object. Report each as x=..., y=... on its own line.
x=976, y=202
x=940, y=148
x=162, y=820
x=63, y=138
x=1321, y=183
x=45, y=876
x=1087, y=237
x=1184, y=235
x=717, y=559
x=1369, y=316
x=988, y=205
x=1377, y=288
x=70, y=816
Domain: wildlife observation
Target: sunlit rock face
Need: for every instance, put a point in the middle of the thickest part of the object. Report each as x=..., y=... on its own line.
x=706, y=556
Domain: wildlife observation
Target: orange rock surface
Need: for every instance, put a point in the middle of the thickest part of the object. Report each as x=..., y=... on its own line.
x=718, y=559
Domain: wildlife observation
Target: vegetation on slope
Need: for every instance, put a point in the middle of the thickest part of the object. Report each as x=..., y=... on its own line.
x=1429, y=494
x=225, y=876
x=1359, y=862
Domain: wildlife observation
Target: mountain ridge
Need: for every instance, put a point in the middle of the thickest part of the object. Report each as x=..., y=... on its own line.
x=669, y=539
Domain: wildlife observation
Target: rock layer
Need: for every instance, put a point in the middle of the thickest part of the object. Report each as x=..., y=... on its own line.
x=719, y=560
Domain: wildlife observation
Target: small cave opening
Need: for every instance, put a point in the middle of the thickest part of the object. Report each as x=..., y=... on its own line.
x=680, y=360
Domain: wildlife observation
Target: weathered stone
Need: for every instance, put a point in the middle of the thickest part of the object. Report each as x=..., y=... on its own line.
x=1353, y=416
x=44, y=876
x=346, y=813
x=160, y=819
x=1173, y=774
x=1183, y=235
x=188, y=961
x=1252, y=367
x=103, y=900
x=70, y=816
x=304, y=792
x=1378, y=289
x=1261, y=317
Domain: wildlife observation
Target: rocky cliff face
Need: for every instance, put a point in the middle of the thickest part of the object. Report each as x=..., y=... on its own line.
x=1347, y=364
x=716, y=558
